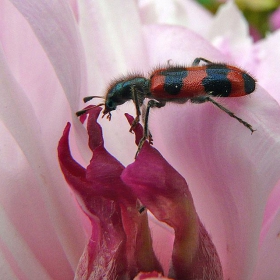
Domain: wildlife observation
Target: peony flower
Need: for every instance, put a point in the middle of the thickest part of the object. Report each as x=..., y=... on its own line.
x=53, y=53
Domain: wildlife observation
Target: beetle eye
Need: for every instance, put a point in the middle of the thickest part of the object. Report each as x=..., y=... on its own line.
x=110, y=104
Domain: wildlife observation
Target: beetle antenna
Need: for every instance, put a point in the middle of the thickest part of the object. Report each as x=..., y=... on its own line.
x=88, y=98
x=81, y=112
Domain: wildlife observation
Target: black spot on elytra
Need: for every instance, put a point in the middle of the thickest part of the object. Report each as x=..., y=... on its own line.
x=249, y=83
x=174, y=80
x=216, y=81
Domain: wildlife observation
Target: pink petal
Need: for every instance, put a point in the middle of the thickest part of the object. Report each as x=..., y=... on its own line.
x=67, y=56
x=30, y=191
x=181, y=13
x=269, y=250
x=106, y=249
x=188, y=46
x=38, y=215
x=120, y=244
x=268, y=66
x=33, y=70
x=125, y=48
x=165, y=193
x=275, y=20
x=229, y=33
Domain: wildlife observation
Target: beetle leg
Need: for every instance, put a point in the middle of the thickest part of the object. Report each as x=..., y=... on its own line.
x=231, y=114
x=198, y=59
x=147, y=135
x=144, y=110
x=135, y=98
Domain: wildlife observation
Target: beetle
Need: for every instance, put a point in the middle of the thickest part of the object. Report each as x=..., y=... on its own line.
x=197, y=83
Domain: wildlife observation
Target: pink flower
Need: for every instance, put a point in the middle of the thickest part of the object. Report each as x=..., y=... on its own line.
x=53, y=53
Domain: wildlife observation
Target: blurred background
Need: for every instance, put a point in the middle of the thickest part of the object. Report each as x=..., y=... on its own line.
x=262, y=15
